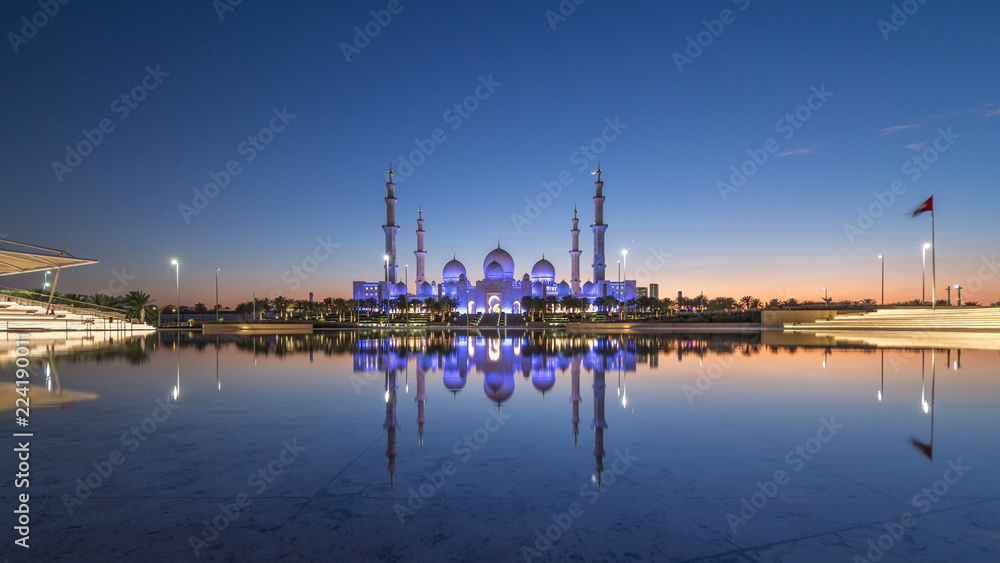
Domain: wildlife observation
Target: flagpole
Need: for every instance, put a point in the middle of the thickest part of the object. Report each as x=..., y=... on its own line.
x=933, y=263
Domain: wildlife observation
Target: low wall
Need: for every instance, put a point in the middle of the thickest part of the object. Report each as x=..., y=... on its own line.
x=777, y=318
x=264, y=327
x=592, y=327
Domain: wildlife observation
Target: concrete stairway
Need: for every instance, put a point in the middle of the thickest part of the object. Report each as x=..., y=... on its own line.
x=18, y=316
x=982, y=319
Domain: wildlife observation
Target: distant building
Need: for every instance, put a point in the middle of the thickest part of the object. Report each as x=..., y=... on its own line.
x=498, y=290
x=654, y=290
x=641, y=292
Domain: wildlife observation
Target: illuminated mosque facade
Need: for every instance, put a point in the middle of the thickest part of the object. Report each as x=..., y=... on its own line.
x=498, y=289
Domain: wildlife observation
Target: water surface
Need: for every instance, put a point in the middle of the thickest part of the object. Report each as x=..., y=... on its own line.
x=508, y=446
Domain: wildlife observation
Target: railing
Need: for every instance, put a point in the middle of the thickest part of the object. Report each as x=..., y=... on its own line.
x=70, y=305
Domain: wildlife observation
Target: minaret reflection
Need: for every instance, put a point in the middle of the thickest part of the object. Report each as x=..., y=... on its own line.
x=421, y=400
x=391, y=420
x=599, y=424
x=574, y=397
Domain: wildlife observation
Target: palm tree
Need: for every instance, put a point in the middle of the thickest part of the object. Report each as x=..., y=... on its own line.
x=138, y=305
x=791, y=302
x=431, y=306
x=102, y=300
x=280, y=305
x=774, y=304
x=401, y=304
x=328, y=308
x=338, y=305
x=262, y=305
x=528, y=305
x=746, y=302
x=666, y=305
x=869, y=302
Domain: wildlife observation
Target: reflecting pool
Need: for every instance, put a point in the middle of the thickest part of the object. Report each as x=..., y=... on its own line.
x=505, y=446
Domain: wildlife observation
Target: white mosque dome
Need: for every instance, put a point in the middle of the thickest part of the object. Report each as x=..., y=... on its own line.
x=425, y=288
x=400, y=288
x=543, y=271
x=498, y=386
x=543, y=379
x=588, y=288
x=453, y=380
x=564, y=288
x=453, y=270
x=493, y=271
x=501, y=257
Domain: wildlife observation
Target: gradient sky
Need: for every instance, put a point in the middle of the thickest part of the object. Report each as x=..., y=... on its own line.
x=894, y=91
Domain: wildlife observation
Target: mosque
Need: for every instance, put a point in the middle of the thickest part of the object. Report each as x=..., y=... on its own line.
x=498, y=289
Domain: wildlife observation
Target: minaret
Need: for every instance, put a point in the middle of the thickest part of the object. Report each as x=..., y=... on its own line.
x=598, y=228
x=420, y=253
x=574, y=257
x=390, y=227
x=599, y=423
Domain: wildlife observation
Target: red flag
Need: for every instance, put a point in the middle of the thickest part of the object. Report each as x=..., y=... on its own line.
x=928, y=449
x=925, y=206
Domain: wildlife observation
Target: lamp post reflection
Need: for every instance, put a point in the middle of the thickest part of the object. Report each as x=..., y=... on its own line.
x=928, y=448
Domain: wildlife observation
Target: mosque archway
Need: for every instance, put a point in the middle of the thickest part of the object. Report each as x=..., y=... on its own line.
x=516, y=308
x=493, y=304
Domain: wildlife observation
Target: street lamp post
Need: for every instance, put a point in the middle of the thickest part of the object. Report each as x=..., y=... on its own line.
x=385, y=296
x=45, y=283
x=826, y=298
x=948, y=289
x=959, y=301
x=923, y=273
x=882, y=259
x=177, y=306
x=217, y=294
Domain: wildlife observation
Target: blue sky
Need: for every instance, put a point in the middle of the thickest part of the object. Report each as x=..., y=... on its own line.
x=316, y=188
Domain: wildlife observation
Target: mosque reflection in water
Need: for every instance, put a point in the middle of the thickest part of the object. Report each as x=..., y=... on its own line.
x=500, y=359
